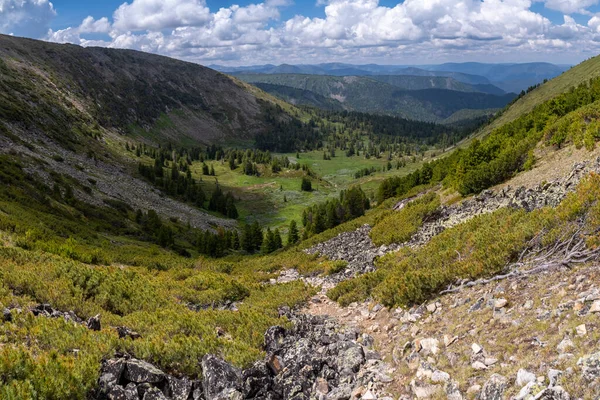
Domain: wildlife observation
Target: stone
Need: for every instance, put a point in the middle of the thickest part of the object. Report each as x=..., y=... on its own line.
x=476, y=348
x=179, y=389
x=321, y=386
x=474, y=389
x=553, y=393
x=479, y=366
x=275, y=363
x=528, y=305
x=431, y=307
x=489, y=361
x=565, y=345
x=428, y=346
x=494, y=388
x=342, y=392
x=139, y=371
x=125, y=332
x=219, y=376
x=131, y=392
x=110, y=374
x=449, y=340
x=423, y=390
x=93, y=323
x=595, y=307
x=500, y=303
x=6, y=315
x=440, y=376
x=154, y=394
x=553, y=376
x=524, y=377
x=368, y=396
x=274, y=338
x=590, y=366
x=581, y=330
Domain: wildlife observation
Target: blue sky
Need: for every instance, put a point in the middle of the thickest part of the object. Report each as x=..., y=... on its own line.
x=285, y=31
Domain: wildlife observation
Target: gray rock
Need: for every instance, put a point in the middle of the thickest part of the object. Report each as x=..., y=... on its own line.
x=154, y=394
x=554, y=393
x=179, y=389
x=524, y=377
x=590, y=366
x=93, y=323
x=110, y=374
x=219, y=376
x=274, y=338
x=117, y=393
x=6, y=315
x=494, y=388
x=139, y=371
x=553, y=376
x=342, y=392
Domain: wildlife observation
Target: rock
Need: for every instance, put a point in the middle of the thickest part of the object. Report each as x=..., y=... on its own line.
x=553, y=376
x=554, y=393
x=590, y=366
x=6, y=315
x=219, y=376
x=125, y=332
x=440, y=376
x=274, y=338
x=473, y=389
x=368, y=396
x=489, y=361
x=275, y=363
x=524, y=377
x=500, y=303
x=131, y=392
x=428, y=346
x=179, y=389
x=139, y=371
x=93, y=323
x=528, y=305
x=565, y=345
x=321, y=387
x=479, y=366
x=154, y=394
x=117, y=393
x=494, y=388
x=581, y=330
x=595, y=307
x=431, y=307
x=342, y=392
x=448, y=340
x=257, y=379
x=476, y=348
x=110, y=374
x=423, y=390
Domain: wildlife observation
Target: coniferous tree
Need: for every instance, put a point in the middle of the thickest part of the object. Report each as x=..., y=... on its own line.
x=278, y=243
x=306, y=185
x=293, y=233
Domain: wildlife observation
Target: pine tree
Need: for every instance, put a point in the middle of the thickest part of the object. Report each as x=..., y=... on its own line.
x=257, y=235
x=268, y=245
x=205, y=170
x=212, y=170
x=293, y=233
x=306, y=185
x=278, y=243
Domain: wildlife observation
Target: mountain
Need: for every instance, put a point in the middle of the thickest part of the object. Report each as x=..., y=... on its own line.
x=301, y=97
x=509, y=77
x=410, y=82
x=366, y=94
x=124, y=90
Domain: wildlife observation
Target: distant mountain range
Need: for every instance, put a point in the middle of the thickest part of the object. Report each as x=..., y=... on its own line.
x=431, y=99
x=508, y=77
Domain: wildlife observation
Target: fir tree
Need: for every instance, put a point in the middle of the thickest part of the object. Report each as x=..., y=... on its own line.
x=293, y=233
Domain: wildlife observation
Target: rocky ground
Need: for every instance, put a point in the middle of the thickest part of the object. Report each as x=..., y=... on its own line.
x=111, y=179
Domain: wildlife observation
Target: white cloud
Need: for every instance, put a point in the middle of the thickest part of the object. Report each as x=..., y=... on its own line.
x=348, y=30
x=571, y=6
x=160, y=14
x=26, y=17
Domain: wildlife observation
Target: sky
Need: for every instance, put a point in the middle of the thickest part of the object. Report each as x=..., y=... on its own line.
x=246, y=32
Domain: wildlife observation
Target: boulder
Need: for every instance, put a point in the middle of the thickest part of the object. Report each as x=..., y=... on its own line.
x=6, y=315
x=219, y=376
x=494, y=388
x=590, y=366
x=274, y=338
x=524, y=377
x=179, y=389
x=154, y=394
x=139, y=371
x=93, y=323
x=110, y=374
x=553, y=393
